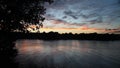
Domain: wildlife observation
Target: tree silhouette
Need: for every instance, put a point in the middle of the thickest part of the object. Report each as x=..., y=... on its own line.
x=18, y=14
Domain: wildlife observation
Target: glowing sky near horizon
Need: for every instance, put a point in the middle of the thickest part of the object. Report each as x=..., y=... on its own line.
x=83, y=16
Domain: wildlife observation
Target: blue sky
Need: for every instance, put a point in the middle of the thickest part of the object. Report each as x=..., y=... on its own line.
x=99, y=14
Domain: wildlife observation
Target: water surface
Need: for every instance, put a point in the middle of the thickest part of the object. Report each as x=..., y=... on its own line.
x=68, y=54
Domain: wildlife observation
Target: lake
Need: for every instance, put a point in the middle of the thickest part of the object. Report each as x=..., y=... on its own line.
x=67, y=54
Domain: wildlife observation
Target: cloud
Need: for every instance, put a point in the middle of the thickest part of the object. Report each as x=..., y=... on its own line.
x=97, y=20
x=117, y=30
x=64, y=17
x=49, y=16
x=71, y=14
x=59, y=21
x=61, y=24
x=82, y=12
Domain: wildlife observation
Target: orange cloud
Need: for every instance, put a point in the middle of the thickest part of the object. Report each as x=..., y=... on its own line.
x=73, y=30
x=84, y=27
x=65, y=27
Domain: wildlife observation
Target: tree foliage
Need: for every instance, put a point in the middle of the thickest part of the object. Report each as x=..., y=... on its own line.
x=12, y=12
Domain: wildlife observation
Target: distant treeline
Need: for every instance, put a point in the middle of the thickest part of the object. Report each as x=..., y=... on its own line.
x=57, y=36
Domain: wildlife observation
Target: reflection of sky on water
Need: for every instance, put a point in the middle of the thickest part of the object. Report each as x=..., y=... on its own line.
x=68, y=54
x=52, y=47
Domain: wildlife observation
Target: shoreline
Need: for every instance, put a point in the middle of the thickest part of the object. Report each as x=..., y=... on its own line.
x=57, y=36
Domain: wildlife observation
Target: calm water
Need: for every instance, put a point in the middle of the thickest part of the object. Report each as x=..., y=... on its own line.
x=68, y=54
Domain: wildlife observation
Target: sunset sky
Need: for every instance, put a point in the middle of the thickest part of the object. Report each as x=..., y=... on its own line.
x=82, y=16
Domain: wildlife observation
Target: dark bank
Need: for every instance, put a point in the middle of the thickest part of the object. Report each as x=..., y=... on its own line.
x=57, y=36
